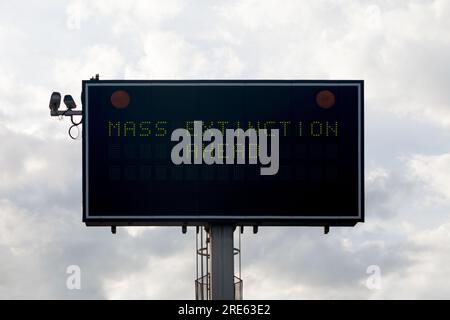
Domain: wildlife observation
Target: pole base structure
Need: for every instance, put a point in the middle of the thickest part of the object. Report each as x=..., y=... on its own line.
x=222, y=262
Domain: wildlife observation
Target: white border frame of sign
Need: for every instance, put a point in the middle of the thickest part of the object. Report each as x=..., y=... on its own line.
x=185, y=220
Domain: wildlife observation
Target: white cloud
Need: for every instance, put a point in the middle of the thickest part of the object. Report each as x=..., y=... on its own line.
x=29, y=162
x=122, y=16
x=396, y=47
x=102, y=59
x=426, y=277
x=77, y=11
x=155, y=280
x=16, y=230
x=137, y=232
x=169, y=56
x=434, y=171
x=24, y=106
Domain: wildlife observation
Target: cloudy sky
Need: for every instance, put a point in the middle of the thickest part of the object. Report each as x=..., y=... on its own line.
x=399, y=48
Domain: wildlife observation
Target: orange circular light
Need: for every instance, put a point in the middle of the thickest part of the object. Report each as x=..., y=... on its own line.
x=120, y=99
x=325, y=99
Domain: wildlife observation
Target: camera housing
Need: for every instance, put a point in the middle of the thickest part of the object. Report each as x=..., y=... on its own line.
x=69, y=102
x=55, y=101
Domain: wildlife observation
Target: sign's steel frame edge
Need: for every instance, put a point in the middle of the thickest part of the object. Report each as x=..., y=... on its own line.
x=221, y=219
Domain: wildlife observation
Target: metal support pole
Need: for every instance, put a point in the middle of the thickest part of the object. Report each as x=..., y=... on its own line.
x=222, y=262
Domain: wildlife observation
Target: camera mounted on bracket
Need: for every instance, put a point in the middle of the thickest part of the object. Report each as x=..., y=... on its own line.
x=55, y=103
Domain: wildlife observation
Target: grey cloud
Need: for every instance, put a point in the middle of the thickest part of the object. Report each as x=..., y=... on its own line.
x=41, y=213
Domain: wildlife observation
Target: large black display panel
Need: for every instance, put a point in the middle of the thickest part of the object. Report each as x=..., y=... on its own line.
x=129, y=177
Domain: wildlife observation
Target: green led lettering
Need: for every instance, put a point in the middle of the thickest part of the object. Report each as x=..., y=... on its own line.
x=220, y=149
x=161, y=130
x=114, y=127
x=129, y=129
x=331, y=130
x=190, y=126
x=240, y=151
x=144, y=127
x=222, y=126
x=316, y=129
x=266, y=125
x=207, y=125
x=253, y=149
x=285, y=125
